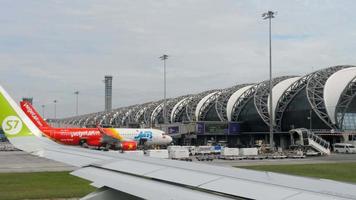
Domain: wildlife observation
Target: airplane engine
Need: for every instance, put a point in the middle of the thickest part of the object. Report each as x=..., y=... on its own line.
x=128, y=146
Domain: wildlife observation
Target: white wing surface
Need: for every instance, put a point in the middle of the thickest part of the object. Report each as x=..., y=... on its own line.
x=153, y=178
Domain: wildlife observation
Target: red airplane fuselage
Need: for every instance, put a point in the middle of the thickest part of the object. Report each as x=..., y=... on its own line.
x=75, y=136
x=69, y=136
x=96, y=137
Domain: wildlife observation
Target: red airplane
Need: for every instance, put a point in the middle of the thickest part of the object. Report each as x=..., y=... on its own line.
x=102, y=138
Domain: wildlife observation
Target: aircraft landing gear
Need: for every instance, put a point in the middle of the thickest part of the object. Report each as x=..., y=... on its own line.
x=142, y=143
x=83, y=143
x=104, y=147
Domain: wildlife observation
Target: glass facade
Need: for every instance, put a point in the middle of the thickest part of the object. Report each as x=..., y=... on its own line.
x=182, y=116
x=211, y=115
x=349, y=122
x=251, y=120
x=299, y=114
x=159, y=118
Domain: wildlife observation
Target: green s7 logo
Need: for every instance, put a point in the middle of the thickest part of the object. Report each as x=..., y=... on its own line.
x=12, y=125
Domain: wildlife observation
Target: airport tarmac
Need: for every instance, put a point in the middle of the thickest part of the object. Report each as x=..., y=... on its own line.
x=18, y=161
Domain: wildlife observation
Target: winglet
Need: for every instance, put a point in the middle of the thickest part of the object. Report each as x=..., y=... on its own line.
x=13, y=120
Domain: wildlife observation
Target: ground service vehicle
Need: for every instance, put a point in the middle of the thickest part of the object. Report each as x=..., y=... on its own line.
x=344, y=148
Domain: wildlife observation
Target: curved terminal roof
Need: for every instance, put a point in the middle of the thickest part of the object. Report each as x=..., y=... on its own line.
x=155, y=113
x=334, y=87
x=326, y=89
x=201, y=103
x=233, y=98
x=277, y=92
x=175, y=108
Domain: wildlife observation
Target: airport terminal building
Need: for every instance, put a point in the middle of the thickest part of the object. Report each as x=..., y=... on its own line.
x=323, y=101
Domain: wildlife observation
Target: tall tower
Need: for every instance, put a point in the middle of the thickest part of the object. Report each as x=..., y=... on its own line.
x=28, y=99
x=108, y=93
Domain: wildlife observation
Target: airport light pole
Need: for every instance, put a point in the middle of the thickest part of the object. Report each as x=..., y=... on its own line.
x=269, y=15
x=164, y=57
x=55, y=109
x=76, y=105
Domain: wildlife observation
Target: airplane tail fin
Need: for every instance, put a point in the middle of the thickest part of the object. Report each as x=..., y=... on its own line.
x=13, y=121
x=111, y=132
x=31, y=112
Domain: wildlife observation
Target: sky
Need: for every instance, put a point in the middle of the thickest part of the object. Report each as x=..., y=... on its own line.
x=51, y=48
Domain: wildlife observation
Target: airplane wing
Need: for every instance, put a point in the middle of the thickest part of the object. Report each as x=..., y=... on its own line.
x=152, y=178
x=138, y=177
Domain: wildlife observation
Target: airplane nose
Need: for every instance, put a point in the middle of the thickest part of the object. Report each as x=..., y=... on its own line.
x=169, y=139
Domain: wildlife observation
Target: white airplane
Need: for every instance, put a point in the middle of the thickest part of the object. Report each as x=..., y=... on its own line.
x=120, y=176
x=98, y=137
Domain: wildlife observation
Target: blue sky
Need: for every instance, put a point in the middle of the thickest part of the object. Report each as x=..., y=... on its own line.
x=51, y=48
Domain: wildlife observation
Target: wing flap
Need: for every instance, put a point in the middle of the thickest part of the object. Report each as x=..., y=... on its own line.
x=141, y=187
